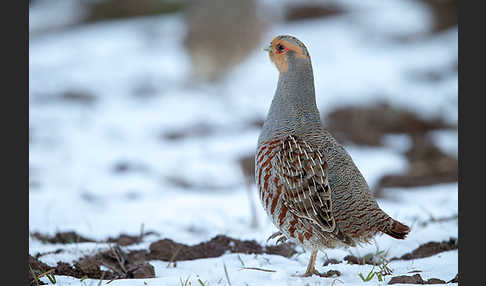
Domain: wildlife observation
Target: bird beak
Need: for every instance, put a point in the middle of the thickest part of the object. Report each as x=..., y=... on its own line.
x=268, y=49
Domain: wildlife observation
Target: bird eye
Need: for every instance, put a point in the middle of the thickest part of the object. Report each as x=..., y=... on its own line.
x=279, y=47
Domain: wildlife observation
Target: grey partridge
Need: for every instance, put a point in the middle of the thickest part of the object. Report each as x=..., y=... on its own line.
x=307, y=182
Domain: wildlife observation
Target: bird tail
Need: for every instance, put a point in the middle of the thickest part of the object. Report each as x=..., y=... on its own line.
x=397, y=229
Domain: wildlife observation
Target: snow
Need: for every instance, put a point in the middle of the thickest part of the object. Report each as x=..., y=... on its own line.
x=74, y=146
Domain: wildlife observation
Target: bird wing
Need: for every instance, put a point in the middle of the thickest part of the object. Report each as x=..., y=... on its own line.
x=303, y=171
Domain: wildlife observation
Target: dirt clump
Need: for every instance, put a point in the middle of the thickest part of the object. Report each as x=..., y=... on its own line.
x=367, y=125
x=78, y=96
x=415, y=279
x=331, y=261
x=428, y=165
x=120, y=9
x=168, y=250
x=62, y=237
x=351, y=259
x=199, y=130
x=72, y=237
x=38, y=268
x=455, y=279
x=297, y=12
x=125, y=239
x=133, y=264
x=430, y=248
x=124, y=264
x=330, y=273
x=444, y=14
x=85, y=267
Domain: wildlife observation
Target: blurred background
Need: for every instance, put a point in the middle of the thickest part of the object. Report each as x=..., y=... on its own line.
x=147, y=112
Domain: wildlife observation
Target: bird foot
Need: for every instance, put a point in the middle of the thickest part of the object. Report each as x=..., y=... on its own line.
x=308, y=274
x=281, y=239
x=327, y=274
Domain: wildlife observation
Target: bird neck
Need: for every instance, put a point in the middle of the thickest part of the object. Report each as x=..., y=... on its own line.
x=293, y=109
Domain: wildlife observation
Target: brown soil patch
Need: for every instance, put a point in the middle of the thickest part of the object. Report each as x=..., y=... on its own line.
x=125, y=239
x=331, y=261
x=133, y=264
x=367, y=259
x=415, y=279
x=198, y=130
x=367, y=125
x=62, y=237
x=430, y=248
x=455, y=279
x=312, y=10
x=444, y=13
x=38, y=267
x=120, y=9
x=78, y=96
x=168, y=250
x=330, y=273
x=86, y=267
x=122, y=265
x=72, y=237
x=428, y=165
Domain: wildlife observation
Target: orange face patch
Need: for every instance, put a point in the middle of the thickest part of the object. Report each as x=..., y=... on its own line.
x=278, y=53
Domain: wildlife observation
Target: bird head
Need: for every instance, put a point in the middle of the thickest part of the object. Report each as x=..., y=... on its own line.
x=287, y=51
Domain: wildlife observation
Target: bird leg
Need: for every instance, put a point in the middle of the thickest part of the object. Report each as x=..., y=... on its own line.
x=311, y=270
x=310, y=267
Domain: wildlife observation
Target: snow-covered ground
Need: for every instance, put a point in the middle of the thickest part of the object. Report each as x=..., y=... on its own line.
x=75, y=147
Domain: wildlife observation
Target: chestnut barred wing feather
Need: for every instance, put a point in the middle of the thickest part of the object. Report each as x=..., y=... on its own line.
x=306, y=193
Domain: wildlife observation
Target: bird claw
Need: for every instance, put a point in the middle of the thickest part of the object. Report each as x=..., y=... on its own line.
x=274, y=235
x=308, y=274
x=281, y=239
x=328, y=274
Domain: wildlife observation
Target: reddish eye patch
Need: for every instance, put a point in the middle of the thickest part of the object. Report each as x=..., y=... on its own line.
x=280, y=49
